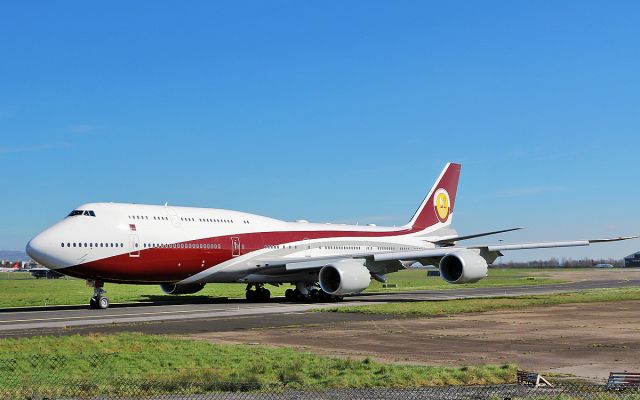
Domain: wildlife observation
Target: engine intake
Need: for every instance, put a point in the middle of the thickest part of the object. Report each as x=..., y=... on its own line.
x=344, y=277
x=172, y=288
x=463, y=267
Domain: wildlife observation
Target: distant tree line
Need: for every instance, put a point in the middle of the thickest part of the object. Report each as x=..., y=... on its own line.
x=559, y=263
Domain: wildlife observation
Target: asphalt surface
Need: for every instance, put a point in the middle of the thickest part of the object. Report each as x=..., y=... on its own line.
x=185, y=318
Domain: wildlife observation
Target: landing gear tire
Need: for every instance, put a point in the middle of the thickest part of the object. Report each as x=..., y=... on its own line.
x=260, y=294
x=298, y=296
x=98, y=301
x=289, y=295
x=103, y=303
x=324, y=296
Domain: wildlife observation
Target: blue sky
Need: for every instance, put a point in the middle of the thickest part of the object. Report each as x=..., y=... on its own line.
x=329, y=111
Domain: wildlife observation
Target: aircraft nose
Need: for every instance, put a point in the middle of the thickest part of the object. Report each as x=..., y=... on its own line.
x=42, y=249
x=35, y=249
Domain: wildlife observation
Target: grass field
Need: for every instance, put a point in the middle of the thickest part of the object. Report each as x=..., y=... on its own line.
x=18, y=290
x=450, y=307
x=169, y=364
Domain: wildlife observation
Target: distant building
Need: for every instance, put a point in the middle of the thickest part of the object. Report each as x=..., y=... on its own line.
x=632, y=260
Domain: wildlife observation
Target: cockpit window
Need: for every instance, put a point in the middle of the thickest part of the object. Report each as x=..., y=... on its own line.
x=88, y=213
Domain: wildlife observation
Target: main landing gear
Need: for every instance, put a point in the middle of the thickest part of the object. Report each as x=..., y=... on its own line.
x=260, y=294
x=98, y=301
x=309, y=294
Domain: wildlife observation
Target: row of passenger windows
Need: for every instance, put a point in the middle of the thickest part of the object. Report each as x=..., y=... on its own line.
x=92, y=245
x=339, y=247
x=185, y=219
x=182, y=245
x=147, y=217
x=146, y=245
x=219, y=220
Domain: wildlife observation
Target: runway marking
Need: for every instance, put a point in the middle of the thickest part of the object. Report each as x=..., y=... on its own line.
x=94, y=316
x=16, y=310
x=112, y=315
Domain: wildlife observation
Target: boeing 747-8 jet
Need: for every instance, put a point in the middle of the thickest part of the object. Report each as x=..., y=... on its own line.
x=183, y=248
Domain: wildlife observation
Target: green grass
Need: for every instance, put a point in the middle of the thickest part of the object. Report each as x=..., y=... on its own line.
x=37, y=292
x=449, y=307
x=167, y=364
x=416, y=279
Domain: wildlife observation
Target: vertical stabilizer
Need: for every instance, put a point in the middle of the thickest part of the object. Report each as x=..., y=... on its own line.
x=437, y=208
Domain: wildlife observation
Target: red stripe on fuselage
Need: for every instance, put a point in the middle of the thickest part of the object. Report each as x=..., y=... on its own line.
x=160, y=265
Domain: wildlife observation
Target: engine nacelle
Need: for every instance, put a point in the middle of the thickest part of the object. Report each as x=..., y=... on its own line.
x=463, y=266
x=172, y=288
x=344, y=277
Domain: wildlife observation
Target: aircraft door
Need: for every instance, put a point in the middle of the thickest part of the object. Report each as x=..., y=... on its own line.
x=235, y=247
x=134, y=246
x=173, y=216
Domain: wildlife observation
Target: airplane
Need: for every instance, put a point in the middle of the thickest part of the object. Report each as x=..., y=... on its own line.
x=14, y=268
x=183, y=248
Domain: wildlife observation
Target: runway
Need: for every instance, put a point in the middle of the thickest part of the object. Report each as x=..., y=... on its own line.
x=236, y=314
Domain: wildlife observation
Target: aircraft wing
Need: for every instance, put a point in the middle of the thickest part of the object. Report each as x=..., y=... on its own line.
x=449, y=240
x=545, y=245
x=490, y=252
x=496, y=249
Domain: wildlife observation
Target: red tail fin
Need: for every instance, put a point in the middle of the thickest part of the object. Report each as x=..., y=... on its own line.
x=437, y=207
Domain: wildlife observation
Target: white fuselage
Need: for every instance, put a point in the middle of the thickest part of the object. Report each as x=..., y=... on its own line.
x=158, y=244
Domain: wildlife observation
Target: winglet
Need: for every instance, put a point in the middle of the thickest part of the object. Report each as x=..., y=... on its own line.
x=613, y=239
x=437, y=207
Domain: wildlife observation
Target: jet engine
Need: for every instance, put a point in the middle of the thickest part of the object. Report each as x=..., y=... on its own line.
x=344, y=277
x=463, y=266
x=172, y=288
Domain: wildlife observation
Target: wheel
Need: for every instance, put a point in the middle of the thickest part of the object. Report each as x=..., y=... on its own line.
x=298, y=296
x=251, y=295
x=288, y=295
x=93, y=303
x=324, y=296
x=265, y=295
x=314, y=295
x=103, y=303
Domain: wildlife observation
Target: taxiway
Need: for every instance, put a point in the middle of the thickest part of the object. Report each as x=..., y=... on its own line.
x=185, y=318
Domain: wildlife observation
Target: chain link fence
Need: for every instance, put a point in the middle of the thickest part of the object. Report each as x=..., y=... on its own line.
x=47, y=377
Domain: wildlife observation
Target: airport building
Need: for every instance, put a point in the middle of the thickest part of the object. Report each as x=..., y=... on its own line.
x=632, y=260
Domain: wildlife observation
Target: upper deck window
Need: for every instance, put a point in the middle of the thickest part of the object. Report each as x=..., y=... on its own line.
x=88, y=213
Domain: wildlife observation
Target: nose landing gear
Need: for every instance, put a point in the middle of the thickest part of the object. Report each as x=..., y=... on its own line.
x=98, y=301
